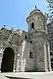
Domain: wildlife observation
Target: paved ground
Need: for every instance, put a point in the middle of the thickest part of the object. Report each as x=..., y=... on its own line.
x=27, y=75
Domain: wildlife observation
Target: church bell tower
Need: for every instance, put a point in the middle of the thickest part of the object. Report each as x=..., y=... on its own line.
x=37, y=33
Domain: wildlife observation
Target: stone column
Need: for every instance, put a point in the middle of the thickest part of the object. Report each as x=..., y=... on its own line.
x=14, y=68
x=49, y=57
x=45, y=57
x=1, y=55
x=22, y=54
x=18, y=63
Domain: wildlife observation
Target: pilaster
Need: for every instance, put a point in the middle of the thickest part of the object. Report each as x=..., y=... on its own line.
x=14, y=68
x=49, y=57
x=45, y=57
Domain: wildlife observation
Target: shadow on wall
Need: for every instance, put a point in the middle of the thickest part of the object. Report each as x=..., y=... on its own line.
x=16, y=77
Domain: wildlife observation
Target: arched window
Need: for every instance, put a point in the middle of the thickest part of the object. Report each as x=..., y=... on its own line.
x=30, y=41
x=25, y=36
x=44, y=27
x=32, y=25
x=31, y=54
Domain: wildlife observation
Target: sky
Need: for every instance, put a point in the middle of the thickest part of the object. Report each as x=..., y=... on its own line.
x=13, y=13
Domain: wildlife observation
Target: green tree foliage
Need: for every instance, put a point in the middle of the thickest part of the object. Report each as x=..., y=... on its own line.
x=50, y=6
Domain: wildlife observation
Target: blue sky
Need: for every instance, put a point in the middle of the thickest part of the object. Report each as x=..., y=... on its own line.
x=14, y=12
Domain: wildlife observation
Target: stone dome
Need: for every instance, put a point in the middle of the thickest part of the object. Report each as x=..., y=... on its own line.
x=35, y=11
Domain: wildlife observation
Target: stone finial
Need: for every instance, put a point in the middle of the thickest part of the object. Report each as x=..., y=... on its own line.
x=35, y=7
x=12, y=29
x=4, y=26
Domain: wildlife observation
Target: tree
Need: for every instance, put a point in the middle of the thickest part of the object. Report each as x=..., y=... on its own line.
x=50, y=6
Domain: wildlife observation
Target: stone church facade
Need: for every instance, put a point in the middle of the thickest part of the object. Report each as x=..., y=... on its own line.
x=26, y=51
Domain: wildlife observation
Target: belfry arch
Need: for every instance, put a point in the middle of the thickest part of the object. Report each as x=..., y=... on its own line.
x=8, y=60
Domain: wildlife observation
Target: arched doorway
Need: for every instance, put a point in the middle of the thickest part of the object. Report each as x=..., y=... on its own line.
x=8, y=60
